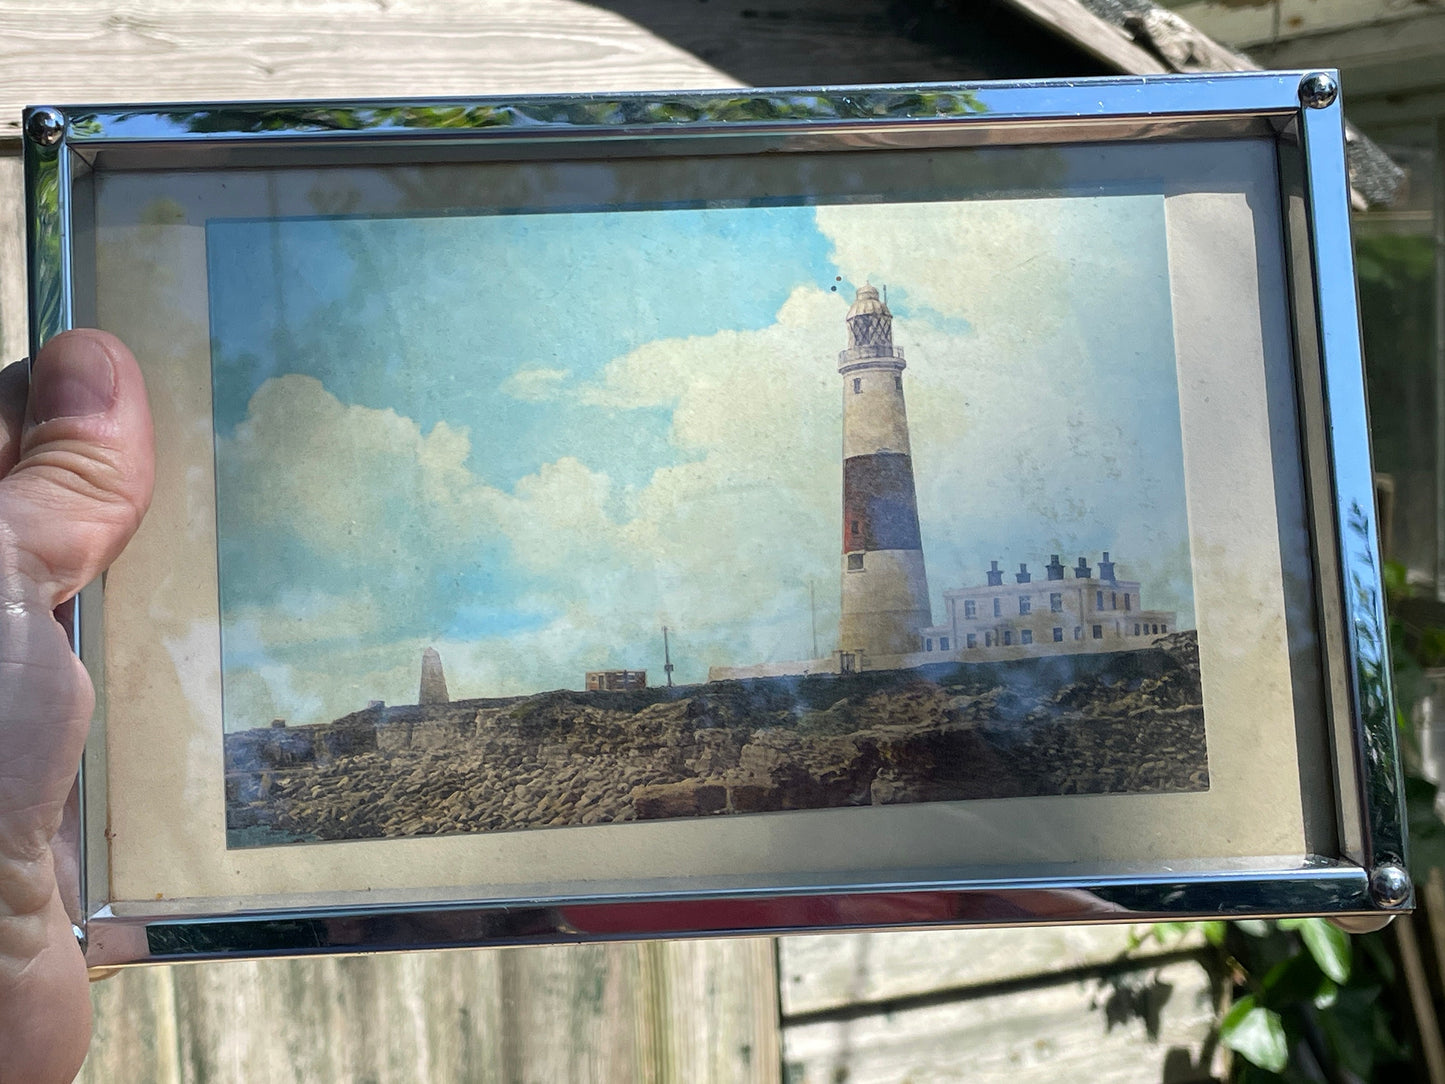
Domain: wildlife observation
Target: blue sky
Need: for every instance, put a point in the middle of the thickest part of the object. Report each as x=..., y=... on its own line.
x=444, y=309
x=531, y=440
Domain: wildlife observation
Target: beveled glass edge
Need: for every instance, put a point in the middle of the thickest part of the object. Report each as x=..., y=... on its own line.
x=47, y=240
x=1345, y=891
x=47, y=180
x=1336, y=313
x=1336, y=890
x=730, y=109
x=1314, y=449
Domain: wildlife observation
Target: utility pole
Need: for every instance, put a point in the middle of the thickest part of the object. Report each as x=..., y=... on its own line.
x=813, y=614
x=666, y=658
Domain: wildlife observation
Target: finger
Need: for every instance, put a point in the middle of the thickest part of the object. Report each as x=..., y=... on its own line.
x=83, y=476
x=65, y=847
x=14, y=384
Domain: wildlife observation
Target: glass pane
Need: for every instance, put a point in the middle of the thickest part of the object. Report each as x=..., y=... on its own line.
x=1395, y=257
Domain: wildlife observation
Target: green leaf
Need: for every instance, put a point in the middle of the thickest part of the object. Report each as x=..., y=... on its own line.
x=1253, y=926
x=1326, y=995
x=1394, y=575
x=1215, y=932
x=1329, y=945
x=1255, y=1034
x=1350, y=1031
x=1293, y=980
x=1165, y=932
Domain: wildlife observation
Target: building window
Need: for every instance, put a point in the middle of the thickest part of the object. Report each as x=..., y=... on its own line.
x=1136, y=628
x=898, y=382
x=972, y=640
x=855, y=562
x=1078, y=632
x=853, y=528
x=1027, y=636
x=1056, y=602
x=1008, y=638
x=970, y=608
x=998, y=607
x=1058, y=634
x=1098, y=632
x=1024, y=604
x=1127, y=605
x=928, y=644
x=943, y=643
x=1113, y=600
x=1099, y=600
x=857, y=384
x=988, y=639
x=1163, y=628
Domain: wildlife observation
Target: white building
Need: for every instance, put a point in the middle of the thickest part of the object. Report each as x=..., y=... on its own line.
x=1065, y=610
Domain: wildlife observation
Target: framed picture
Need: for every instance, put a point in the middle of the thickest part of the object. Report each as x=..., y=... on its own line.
x=739, y=512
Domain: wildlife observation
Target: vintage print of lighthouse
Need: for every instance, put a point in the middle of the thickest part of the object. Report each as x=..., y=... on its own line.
x=603, y=540
x=885, y=587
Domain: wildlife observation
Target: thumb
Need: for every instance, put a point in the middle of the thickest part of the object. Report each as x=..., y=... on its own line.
x=82, y=478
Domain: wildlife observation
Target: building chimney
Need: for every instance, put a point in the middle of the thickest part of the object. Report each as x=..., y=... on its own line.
x=1055, y=567
x=1023, y=574
x=1106, y=568
x=1081, y=570
x=995, y=577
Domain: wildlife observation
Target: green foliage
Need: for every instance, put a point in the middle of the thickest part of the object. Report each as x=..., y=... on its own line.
x=1427, y=833
x=45, y=267
x=1257, y=1033
x=1394, y=261
x=1327, y=945
x=1312, y=999
x=586, y=111
x=1309, y=1005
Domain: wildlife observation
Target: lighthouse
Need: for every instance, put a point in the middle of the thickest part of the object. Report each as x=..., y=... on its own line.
x=885, y=588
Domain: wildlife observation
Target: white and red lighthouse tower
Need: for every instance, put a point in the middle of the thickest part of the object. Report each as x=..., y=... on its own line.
x=885, y=588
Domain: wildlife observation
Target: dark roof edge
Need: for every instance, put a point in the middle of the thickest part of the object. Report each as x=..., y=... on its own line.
x=1138, y=37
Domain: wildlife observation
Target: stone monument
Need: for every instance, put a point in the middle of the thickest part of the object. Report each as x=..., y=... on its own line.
x=433, y=681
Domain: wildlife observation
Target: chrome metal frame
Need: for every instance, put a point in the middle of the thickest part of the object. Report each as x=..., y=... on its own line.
x=1363, y=886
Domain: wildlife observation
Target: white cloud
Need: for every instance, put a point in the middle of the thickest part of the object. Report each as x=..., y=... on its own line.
x=345, y=477
x=536, y=385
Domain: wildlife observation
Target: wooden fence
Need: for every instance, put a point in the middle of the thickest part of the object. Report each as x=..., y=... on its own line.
x=994, y=1005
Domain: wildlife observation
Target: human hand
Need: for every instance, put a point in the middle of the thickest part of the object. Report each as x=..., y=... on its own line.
x=76, y=466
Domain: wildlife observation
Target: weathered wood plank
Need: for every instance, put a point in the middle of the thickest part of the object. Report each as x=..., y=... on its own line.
x=820, y=972
x=1247, y=25
x=187, y=50
x=135, y=1029
x=12, y=259
x=689, y=1011
x=1140, y=1026
x=1092, y=34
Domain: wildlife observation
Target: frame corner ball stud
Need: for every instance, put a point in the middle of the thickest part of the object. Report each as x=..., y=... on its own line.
x=1318, y=90
x=1390, y=885
x=45, y=126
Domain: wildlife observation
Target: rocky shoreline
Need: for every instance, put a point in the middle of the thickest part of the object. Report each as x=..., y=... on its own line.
x=1122, y=722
